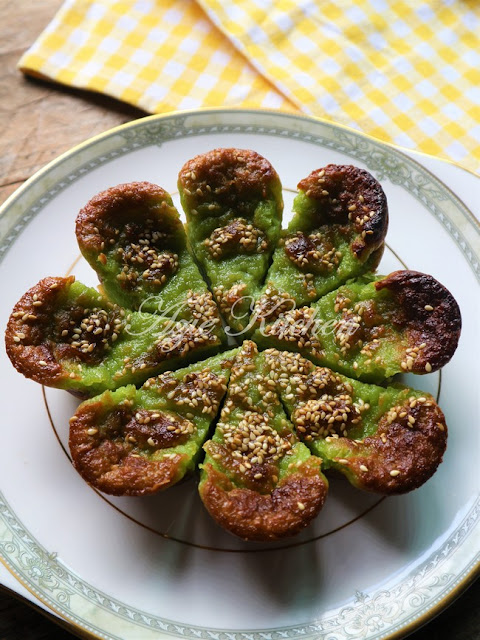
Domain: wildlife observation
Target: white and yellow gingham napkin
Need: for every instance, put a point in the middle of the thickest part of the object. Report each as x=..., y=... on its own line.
x=405, y=71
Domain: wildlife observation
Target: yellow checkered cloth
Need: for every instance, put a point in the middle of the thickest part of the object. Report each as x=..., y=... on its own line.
x=404, y=71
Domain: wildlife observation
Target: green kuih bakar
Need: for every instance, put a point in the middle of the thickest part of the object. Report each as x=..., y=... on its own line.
x=66, y=335
x=337, y=233
x=233, y=202
x=139, y=441
x=258, y=480
x=133, y=237
x=386, y=440
x=372, y=329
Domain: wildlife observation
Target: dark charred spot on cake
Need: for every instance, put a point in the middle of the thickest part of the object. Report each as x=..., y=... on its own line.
x=227, y=179
x=431, y=316
x=315, y=253
x=406, y=449
x=347, y=195
x=30, y=334
x=237, y=237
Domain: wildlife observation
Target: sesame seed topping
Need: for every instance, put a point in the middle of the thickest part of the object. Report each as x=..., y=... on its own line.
x=312, y=252
x=253, y=440
x=93, y=331
x=237, y=237
x=296, y=326
x=200, y=391
x=183, y=337
x=394, y=473
x=146, y=257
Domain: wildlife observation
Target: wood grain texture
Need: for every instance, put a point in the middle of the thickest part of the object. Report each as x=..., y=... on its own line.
x=38, y=122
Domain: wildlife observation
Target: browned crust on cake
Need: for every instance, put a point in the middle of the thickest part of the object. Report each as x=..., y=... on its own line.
x=28, y=346
x=98, y=223
x=227, y=178
x=104, y=455
x=348, y=195
x=430, y=313
x=285, y=511
x=401, y=456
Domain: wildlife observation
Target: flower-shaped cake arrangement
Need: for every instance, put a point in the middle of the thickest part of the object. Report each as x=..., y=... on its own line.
x=262, y=357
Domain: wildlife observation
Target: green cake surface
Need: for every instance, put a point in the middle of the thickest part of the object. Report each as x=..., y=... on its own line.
x=337, y=233
x=138, y=441
x=66, y=335
x=233, y=203
x=387, y=440
x=258, y=480
x=372, y=328
x=133, y=237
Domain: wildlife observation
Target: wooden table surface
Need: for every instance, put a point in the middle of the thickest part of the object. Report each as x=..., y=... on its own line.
x=39, y=121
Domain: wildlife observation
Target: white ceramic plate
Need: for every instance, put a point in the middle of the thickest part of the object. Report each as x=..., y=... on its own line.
x=140, y=568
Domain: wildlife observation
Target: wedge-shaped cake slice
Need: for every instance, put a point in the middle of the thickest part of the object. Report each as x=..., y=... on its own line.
x=386, y=440
x=233, y=202
x=337, y=233
x=133, y=237
x=66, y=335
x=258, y=480
x=139, y=441
x=371, y=330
